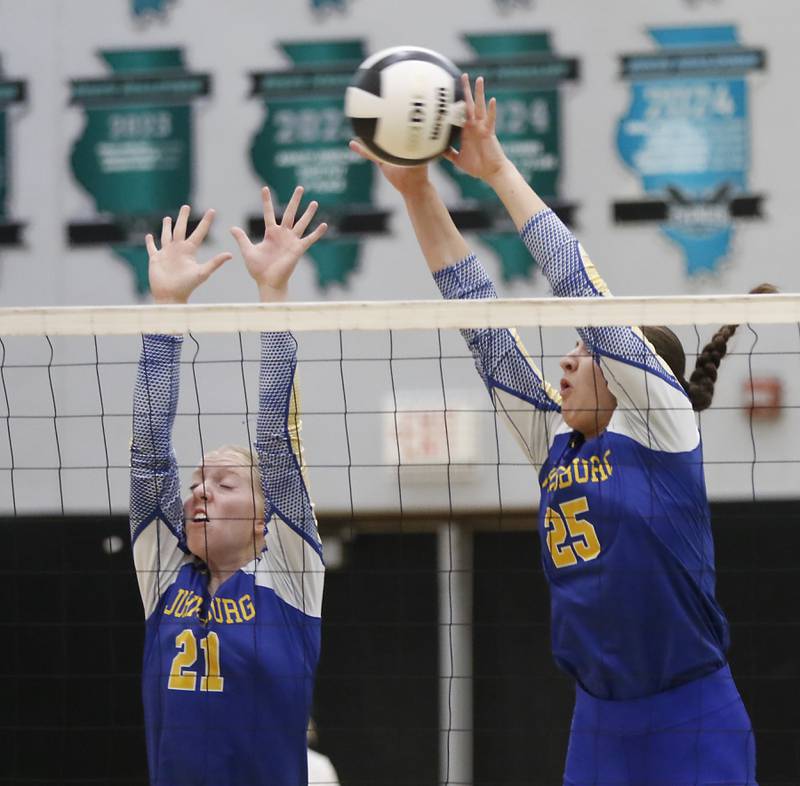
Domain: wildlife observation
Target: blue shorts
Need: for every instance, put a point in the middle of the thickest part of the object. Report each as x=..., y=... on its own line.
x=698, y=734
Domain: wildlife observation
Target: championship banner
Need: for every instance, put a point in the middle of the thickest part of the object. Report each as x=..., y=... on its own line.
x=135, y=154
x=524, y=74
x=507, y=6
x=329, y=5
x=686, y=135
x=304, y=142
x=144, y=7
x=11, y=92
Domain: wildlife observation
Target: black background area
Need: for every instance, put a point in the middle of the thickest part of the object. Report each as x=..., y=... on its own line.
x=71, y=633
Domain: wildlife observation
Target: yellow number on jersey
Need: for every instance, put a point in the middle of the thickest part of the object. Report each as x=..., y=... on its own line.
x=561, y=552
x=584, y=545
x=181, y=677
x=213, y=680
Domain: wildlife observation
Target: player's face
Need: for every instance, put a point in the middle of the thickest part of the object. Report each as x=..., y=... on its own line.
x=223, y=513
x=586, y=401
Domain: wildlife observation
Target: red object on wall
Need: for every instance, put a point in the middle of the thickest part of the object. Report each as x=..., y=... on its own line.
x=763, y=397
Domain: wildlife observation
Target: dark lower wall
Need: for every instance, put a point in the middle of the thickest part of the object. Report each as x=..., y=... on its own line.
x=71, y=641
x=377, y=686
x=72, y=632
x=71, y=637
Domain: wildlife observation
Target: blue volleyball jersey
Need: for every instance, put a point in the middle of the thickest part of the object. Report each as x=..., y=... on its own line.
x=227, y=680
x=623, y=518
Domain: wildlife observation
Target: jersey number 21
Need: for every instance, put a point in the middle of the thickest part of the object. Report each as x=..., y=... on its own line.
x=182, y=677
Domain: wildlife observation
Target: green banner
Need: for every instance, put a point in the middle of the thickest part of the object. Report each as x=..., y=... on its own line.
x=135, y=160
x=329, y=5
x=304, y=142
x=135, y=153
x=144, y=7
x=11, y=92
x=3, y=167
x=524, y=74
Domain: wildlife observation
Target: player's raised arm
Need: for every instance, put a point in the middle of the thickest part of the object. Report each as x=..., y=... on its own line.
x=156, y=510
x=650, y=395
x=648, y=392
x=481, y=155
x=294, y=551
x=519, y=392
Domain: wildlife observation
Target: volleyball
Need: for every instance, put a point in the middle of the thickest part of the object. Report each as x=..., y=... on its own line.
x=406, y=104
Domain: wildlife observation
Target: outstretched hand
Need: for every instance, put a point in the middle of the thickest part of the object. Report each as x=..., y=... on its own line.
x=173, y=270
x=480, y=153
x=272, y=261
x=404, y=178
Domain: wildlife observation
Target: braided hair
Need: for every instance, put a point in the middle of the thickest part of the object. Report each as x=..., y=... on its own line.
x=700, y=386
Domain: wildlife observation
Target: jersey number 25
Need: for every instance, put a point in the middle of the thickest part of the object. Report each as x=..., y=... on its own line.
x=583, y=543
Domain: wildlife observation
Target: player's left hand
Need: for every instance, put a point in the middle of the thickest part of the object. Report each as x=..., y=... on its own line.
x=480, y=153
x=272, y=261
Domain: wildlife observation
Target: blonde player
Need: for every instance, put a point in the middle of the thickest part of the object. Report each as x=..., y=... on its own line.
x=231, y=575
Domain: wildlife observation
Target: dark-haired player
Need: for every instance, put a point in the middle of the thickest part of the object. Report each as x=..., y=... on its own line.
x=624, y=519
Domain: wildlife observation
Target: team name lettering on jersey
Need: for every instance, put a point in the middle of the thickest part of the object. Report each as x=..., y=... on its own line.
x=227, y=611
x=580, y=470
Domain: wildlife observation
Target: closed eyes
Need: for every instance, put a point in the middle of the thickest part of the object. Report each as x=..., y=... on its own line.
x=226, y=486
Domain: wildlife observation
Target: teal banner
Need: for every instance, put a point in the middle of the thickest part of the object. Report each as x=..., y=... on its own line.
x=141, y=8
x=329, y=5
x=304, y=142
x=3, y=166
x=11, y=93
x=508, y=6
x=135, y=153
x=524, y=74
x=135, y=160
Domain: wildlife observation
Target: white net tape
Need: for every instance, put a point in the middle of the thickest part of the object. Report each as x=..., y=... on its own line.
x=402, y=315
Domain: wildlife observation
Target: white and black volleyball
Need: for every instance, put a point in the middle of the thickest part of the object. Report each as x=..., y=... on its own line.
x=406, y=104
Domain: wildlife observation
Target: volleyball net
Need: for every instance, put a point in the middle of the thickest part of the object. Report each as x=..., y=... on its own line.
x=435, y=664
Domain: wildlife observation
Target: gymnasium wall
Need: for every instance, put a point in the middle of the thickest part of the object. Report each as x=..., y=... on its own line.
x=70, y=238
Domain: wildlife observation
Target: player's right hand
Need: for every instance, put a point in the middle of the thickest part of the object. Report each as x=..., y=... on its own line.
x=173, y=269
x=406, y=179
x=480, y=153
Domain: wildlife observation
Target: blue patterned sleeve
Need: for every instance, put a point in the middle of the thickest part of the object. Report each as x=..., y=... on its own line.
x=156, y=509
x=530, y=406
x=648, y=394
x=571, y=273
x=155, y=482
x=278, y=440
x=500, y=357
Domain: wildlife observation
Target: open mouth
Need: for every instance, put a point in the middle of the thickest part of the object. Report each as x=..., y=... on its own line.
x=565, y=387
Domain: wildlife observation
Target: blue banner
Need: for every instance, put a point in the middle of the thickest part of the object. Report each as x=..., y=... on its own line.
x=687, y=136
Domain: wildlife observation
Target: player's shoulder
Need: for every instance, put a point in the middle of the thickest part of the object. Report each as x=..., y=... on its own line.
x=668, y=432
